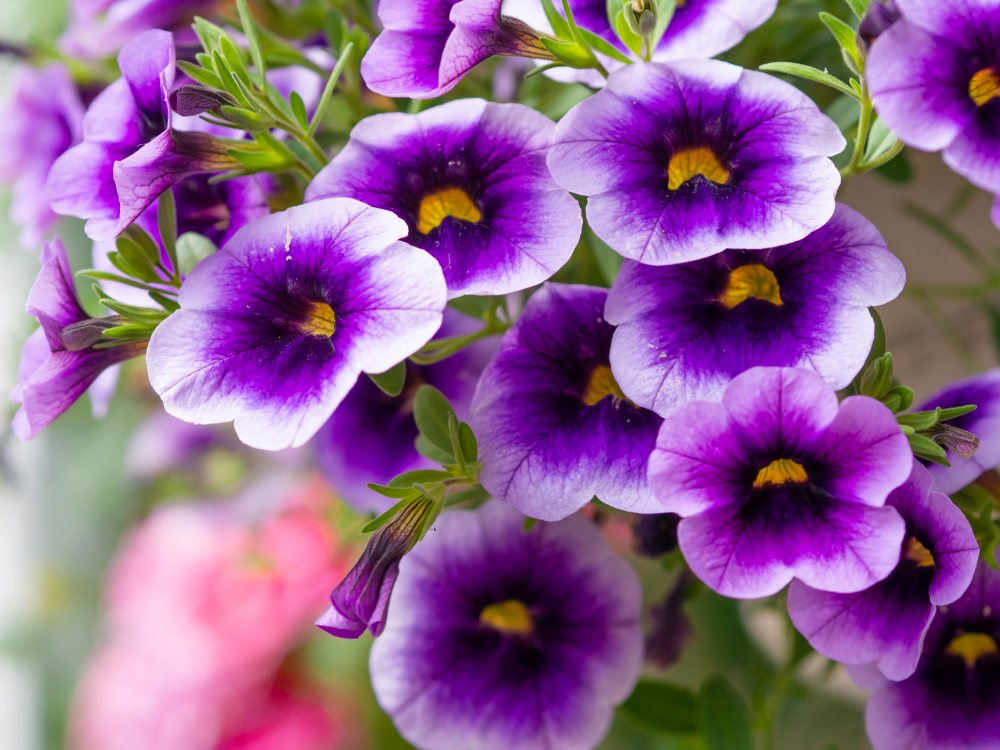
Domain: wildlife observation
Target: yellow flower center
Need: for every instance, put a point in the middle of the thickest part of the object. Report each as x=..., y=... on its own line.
x=691, y=162
x=972, y=647
x=320, y=320
x=509, y=617
x=916, y=552
x=439, y=204
x=753, y=280
x=600, y=385
x=984, y=86
x=780, y=471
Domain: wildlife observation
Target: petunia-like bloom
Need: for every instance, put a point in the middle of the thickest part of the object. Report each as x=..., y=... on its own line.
x=360, y=601
x=684, y=331
x=554, y=428
x=42, y=120
x=470, y=181
x=779, y=481
x=500, y=638
x=428, y=45
x=952, y=702
x=681, y=161
x=935, y=80
x=275, y=328
x=370, y=438
x=886, y=623
x=59, y=361
x=130, y=153
x=983, y=391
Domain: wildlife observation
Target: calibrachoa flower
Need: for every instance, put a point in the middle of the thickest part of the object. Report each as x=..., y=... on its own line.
x=59, y=361
x=682, y=161
x=427, y=46
x=779, y=481
x=887, y=622
x=554, y=428
x=370, y=438
x=501, y=638
x=469, y=178
x=953, y=699
x=42, y=120
x=275, y=328
x=130, y=154
x=983, y=390
x=684, y=331
x=360, y=601
x=935, y=80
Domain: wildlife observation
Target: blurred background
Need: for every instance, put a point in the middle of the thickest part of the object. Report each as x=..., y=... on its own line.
x=180, y=511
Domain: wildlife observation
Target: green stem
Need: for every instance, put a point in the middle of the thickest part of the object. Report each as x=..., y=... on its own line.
x=864, y=126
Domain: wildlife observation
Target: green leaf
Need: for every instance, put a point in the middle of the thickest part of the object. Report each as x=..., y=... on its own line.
x=560, y=27
x=629, y=38
x=299, y=109
x=391, y=381
x=663, y=707
x=572, y=54
x=200, y=74
x=725, y=720
x=395, y=492
x=859, y=7
x=331, y=84
x=419, y=476
x=192, y=248
x=246, y=119
x=880, y=140
x=923, y=447
x=431, y=411
x=810, y=74
x=166, y=220
x=846, y=37
x=250, y=31
x=430, y=451
x=467, y=440
x=603, y=46
x=664, y=15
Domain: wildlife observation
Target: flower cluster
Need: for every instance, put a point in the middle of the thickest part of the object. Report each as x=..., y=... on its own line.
x=639, y=296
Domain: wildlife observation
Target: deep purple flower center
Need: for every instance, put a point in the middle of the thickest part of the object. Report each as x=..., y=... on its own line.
x=971, y=647
x=781, y=471
x=319, y=320
x=600, y=384
x=439, y=204
x=509, y=617
x=688, y=163
x=984, y=86
x=752, y=280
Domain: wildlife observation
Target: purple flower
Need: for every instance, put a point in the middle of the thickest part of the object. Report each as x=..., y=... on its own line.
x=275, y=328
x=779, y=481
x=682, y=161
x=43, y=119
x=371, y=436
x=469, y=178
x=554, y=428
x=428, y=45
x=99, y=28
x=499, y=638
x=360, y=601
x=59, y=361
x=684, y=331
x=887, y=622
x=983, y=390
x=953, y=699
x=130, y=154
x=935, y=80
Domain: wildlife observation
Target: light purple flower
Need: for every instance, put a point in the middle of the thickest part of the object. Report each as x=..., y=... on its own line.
x=935, y=80
x=684, y=331
x=99, y=28
x=371, y=436
x=682, y=161
x=952, y=702
x=428, y=45
x=59, y=361
x=469, y=178
x=275, y=328
x=554, y=428
x=42, y=120
x=361, y=600
x=130, y=153
x=779, y=481
x=886, y=623
x=499, y=638
x=983, y=391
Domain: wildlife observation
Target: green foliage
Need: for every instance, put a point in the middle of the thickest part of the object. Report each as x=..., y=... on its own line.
x=724, y=716
x=391, y=381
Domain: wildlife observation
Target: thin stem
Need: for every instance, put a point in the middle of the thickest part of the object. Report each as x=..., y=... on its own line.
x=861, y=138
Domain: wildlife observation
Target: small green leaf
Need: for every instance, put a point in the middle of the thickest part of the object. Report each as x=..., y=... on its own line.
x=572, y=54
x=923, y=447
x=430, y=451
x=725, y=720
x=166, y=220
x=810, y=74
x=418, y=476
x=560, y=27
x=846, y=37
x=629, y=38
x=598, y=44
x=663, y=707
x=380, y=521
x=395, y=492
x=664, y=15
x=253, y=41
x=200, y=74
x=859, y=7
x=467, y=440
x=880, y=140
x=331, y=84
x=431, y=410
x=391, y=381
x=192, y=248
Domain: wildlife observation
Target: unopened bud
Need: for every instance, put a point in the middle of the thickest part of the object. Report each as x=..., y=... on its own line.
x=877, y=20
x=960, y=442
x=877, y=377
x=85, y=333
x=190, y=100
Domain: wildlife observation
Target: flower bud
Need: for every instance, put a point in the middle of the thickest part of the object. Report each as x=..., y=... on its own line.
x=877, y=20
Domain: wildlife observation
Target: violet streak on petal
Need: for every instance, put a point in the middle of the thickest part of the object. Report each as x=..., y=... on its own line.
x=499, y=638
x=779, y=481
x=682, y=161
